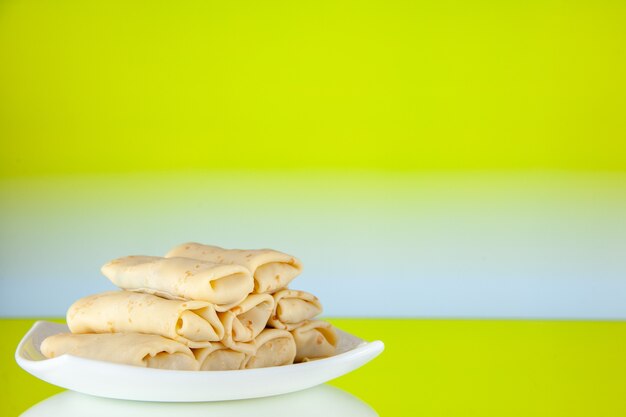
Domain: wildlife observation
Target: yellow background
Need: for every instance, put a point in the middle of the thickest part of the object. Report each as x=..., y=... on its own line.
x=130, y=126
x=450, y=368
x=90, y=86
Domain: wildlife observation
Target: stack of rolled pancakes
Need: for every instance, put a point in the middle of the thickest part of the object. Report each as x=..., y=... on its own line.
x=200, y=307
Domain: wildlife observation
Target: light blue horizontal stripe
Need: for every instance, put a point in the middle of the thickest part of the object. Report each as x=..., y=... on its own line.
x=519, y=245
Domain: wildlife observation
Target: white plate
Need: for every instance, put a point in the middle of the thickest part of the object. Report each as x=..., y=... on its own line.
x=106, y=379
x=322, y=400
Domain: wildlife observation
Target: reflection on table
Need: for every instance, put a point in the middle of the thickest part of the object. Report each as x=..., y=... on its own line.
x=322, y=400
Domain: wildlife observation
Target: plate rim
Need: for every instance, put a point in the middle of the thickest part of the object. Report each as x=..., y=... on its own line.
x=364, y=348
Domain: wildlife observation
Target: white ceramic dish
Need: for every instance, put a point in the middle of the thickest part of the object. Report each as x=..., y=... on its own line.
x=320, y=401
x=106, y=379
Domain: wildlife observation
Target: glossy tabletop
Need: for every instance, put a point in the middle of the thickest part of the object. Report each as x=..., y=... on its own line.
x=429, y=368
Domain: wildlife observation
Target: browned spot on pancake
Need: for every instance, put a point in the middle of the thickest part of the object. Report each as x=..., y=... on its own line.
x=188, y=273
x=319, y=339
x=277, y=277
x=186, y=247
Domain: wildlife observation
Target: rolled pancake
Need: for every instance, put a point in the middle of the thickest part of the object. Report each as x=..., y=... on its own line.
x=182, y=278
x=272, y=270
x=218, y=357
x=292, y=308
x=136, y=349
x=193, y=323
x=274, y=348
x=314, y=340
x=245, y=321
